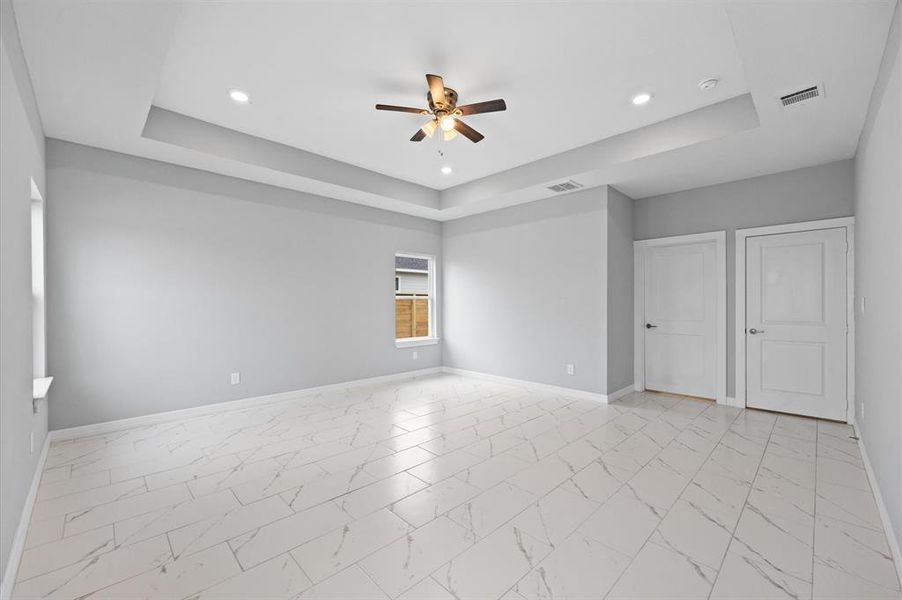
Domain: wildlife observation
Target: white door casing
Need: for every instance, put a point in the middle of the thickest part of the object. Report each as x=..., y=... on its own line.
x=681, y=293
x=796, y=322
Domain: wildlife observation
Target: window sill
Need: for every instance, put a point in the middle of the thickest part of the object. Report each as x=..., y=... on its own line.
x=40, y=387
x=419, y=341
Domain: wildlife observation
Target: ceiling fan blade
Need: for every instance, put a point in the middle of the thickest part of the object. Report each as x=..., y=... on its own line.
x=468, y=132
x=418, y=136
x=483, y=107
x=406, y=109
x=436, y=89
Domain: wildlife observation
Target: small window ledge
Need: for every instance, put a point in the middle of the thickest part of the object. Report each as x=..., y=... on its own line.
x=418, y=341
x=40, y=387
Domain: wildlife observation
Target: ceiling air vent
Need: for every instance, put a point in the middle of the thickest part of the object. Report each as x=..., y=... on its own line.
x=802, y=96
x=565, y=186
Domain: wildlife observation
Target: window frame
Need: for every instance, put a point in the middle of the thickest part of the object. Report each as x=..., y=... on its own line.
x=433, y=337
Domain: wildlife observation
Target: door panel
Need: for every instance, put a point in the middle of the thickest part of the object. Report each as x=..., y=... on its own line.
x=793, y=286
x=678, y=286
x=681, y=302
x=792, y=367
x=796, y=322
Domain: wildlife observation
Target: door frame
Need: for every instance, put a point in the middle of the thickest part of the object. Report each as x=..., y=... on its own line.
x=720, y=266
x=741, y=234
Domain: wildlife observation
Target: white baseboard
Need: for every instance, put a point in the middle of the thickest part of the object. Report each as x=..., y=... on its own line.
x=881, y=508
x=554, y=389
x=15, y=553
x=731, y=401
x=621, y=393
x=198, y=411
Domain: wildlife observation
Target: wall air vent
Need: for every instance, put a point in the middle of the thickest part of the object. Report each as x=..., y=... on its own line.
x=802, y=96
x=565, y=186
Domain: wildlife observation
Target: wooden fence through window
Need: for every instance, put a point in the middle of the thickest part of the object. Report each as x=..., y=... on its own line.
x=411, y=316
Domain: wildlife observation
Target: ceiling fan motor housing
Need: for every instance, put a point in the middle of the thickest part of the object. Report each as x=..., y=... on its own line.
x=449, y=104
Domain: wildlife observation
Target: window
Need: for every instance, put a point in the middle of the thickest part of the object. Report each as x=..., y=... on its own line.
x=414, y=300
x=39, y=356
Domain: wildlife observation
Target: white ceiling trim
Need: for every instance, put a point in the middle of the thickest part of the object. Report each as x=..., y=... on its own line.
x=592, y=165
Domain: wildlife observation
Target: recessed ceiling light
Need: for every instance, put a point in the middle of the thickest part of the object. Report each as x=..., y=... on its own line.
x=446, y=170
x=640, y=99
x=708, y=84
x=239, y=96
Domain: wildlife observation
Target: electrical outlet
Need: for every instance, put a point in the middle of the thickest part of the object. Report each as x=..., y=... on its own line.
x=236, y=378
x=864, y=304
x=570, y=369
x=31, y=443
x=415, y=355
x=861, y=404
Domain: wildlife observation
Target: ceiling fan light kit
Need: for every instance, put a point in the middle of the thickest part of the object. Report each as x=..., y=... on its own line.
x=429, y=128
x=446, y=113
x=447, y=123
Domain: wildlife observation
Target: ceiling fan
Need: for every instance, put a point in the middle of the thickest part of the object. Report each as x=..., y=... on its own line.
x=446, y=113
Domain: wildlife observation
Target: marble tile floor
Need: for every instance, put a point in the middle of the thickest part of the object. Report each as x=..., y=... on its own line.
x=447, y=487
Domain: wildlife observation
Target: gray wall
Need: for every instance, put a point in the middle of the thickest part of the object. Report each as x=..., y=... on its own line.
x=820, y=192
x=21, y=158
x=163, y=280
x=525, y=291
x=878, y=279
x=620, y=290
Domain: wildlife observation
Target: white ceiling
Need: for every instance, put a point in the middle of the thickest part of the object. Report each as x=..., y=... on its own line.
x=315, y=71
x=566, y=69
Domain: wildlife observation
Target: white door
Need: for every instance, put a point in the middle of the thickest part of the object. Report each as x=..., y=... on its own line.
x=680, y=315
x=796, y=323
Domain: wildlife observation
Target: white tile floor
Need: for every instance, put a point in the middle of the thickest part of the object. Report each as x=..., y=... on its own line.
x=448, y=487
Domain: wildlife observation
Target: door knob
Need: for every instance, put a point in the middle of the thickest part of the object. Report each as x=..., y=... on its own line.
x=650, y=326
x=753, y=331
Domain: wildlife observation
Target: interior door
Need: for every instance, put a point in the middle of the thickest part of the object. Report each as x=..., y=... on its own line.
x=796, y=323
x=680, y=314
